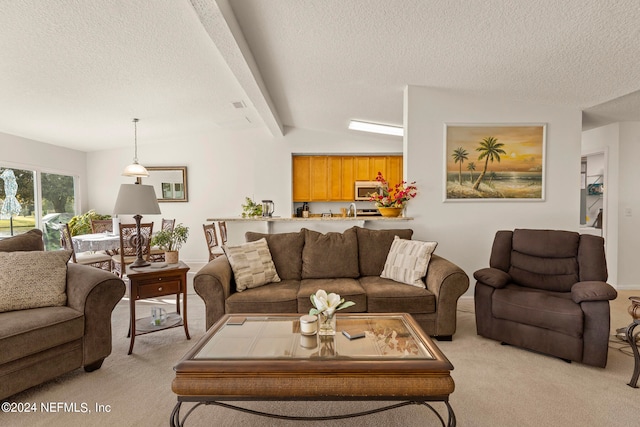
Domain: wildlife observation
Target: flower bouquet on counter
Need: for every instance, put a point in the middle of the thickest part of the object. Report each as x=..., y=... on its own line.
x=325, y=306
x=395, y=197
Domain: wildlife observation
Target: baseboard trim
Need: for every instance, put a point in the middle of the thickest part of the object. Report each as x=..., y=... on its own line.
x=628, y=287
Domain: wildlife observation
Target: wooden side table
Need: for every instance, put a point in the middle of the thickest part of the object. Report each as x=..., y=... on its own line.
x=151, y=282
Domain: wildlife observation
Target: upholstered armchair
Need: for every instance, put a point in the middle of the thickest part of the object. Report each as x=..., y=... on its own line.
x=546, y=291
x=54, y=317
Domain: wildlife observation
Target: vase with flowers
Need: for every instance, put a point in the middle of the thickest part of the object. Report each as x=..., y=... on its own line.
x=392, y=200
x=325, y=307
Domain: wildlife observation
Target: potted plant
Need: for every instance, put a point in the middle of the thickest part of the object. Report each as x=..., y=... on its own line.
x=171, y=241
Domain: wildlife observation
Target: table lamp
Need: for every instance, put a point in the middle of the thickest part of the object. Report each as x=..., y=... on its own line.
x=137, y=200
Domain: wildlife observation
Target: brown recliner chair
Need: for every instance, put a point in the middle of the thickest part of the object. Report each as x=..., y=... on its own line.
x=546, y=291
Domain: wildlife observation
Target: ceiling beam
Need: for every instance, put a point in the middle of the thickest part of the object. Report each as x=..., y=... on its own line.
x=219, y=21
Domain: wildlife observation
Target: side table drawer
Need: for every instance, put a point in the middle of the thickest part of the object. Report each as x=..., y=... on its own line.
x=156, y=287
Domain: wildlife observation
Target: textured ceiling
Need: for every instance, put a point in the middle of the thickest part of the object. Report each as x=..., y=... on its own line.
x=74, y=73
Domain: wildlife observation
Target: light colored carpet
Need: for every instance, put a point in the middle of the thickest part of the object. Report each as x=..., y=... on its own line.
x=495, y=385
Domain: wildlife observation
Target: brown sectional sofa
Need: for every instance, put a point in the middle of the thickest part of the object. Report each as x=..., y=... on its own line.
x=40, y=344
x=348, y=263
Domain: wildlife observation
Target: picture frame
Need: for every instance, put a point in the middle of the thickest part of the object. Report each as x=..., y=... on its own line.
x=169, y=182
x=494, y=162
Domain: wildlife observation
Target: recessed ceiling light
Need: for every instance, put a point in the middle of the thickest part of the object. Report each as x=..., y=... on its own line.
x=376, y=128
x=239, y=104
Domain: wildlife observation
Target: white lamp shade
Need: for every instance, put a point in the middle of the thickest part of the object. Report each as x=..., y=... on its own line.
x=136, y=199
x=135, y=169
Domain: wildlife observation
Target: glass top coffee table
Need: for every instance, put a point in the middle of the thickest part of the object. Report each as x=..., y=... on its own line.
x=265, y=357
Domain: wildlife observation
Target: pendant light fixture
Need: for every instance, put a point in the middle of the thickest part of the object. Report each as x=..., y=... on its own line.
x=135, y=169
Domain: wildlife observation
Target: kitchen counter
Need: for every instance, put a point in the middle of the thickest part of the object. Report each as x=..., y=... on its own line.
x=313, y=218
x=237, y=226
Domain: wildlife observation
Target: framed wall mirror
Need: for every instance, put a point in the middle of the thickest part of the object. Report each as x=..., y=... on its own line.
x=169, y=182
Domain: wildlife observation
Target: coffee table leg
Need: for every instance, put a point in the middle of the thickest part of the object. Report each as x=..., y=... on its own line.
x=452, y=415
x=175, y=416
x=631, y=339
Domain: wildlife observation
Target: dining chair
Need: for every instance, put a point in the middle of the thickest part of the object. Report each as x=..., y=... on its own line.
x=157, y=254
x=222, y=225
x=93, y=259
x=101, y=226
x=128, y=246
x=212, y=240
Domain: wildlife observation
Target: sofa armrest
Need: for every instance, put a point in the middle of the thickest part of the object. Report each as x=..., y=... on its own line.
x=213, y=283
x=95, y=293
x=592, y=291
x=448, y=282
x=493, y=277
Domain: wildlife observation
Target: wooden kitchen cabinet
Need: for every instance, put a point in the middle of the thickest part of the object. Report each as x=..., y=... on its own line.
x=394, y=170
x=319, y=178
x=301, y=177
x=332, y=178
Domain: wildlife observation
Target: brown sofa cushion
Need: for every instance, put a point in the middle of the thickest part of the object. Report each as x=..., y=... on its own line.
x=388, y=296
x=29, y=241
x=538, y=308
x=373, y=248
x=286, y=251
x=545, y=259
x=349, y=289
x=26, y=332
x=278, y=297
x=330, y=255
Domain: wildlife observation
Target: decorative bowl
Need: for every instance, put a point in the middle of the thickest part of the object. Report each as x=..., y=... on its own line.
x=390, y=212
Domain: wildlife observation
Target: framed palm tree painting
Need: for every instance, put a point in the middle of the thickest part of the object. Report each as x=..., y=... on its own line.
x=494, y=162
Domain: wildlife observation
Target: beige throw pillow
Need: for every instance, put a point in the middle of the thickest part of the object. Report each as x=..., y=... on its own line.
x=408, y=261
x=252, y=264
x=33, y=279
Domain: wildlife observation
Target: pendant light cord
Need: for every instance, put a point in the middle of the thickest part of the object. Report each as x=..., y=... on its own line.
x=135, y=140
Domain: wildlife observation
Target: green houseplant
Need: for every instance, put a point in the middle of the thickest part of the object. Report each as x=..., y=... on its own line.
x=81, y=224
x=171, y=241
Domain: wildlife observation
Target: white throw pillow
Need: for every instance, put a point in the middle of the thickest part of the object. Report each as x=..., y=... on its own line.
x=251, y=264
x=408, y=260
x=33, y=279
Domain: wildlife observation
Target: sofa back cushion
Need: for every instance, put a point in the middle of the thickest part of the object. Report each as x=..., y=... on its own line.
x=330, y=255
x=29, y=241
x=33, y=279
x=373, y=248
x=545, y=259
x=286, y=251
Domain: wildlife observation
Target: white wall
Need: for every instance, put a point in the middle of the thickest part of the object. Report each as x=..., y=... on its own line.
x=621, y=142
x=606, y=139
x=26, y=153
x=629, y=206
x=222, y=170
x=465, y=229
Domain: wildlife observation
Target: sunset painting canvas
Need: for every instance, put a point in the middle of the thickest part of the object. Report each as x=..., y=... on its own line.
x=494, y=162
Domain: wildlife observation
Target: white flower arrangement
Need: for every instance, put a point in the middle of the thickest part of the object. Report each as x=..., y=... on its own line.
x=328, y=304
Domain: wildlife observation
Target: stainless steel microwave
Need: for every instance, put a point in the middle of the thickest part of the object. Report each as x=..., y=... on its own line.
x=364, y=189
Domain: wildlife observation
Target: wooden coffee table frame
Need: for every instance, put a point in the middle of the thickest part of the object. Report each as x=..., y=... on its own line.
x=406, y=380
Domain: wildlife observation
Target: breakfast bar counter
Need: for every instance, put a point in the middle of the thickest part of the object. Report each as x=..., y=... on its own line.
x=313, y=218
x=237, y=226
